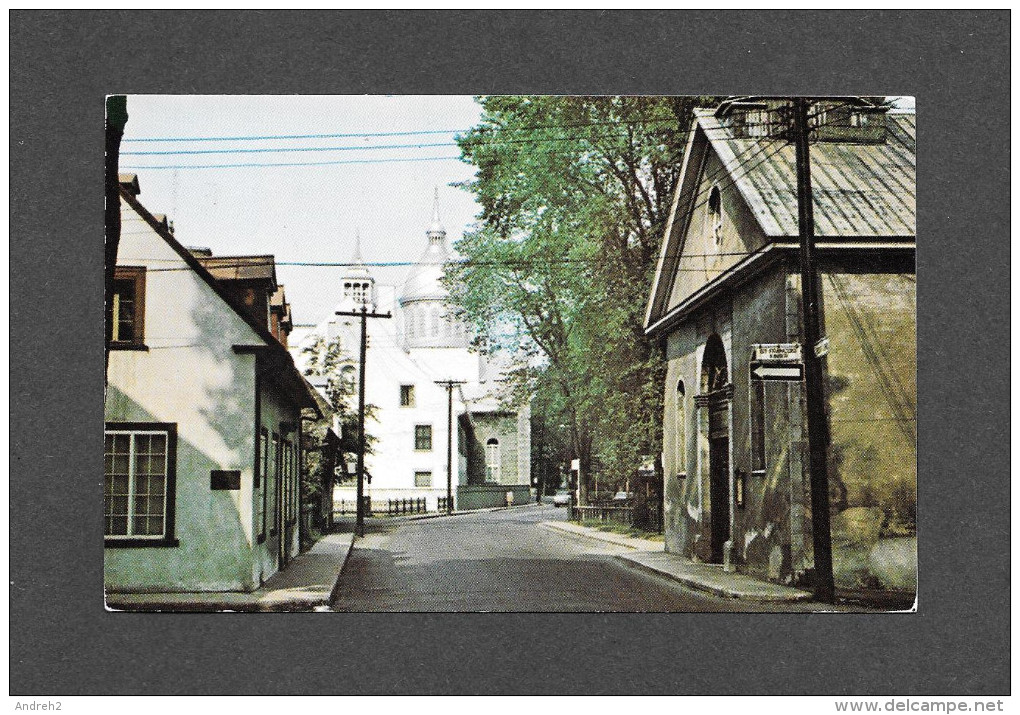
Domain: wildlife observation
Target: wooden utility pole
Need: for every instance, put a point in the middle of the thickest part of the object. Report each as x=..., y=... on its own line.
x=448, y=384
x=364, y=315
x=816, y=418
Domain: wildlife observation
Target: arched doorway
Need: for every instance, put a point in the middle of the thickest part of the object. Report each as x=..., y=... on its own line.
x=715, y=387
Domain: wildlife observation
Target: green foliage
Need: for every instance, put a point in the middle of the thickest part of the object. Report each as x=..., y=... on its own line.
x=575, y=194
x=326, y=359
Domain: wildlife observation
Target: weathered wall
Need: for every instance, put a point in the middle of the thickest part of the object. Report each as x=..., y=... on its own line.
x=705, y=259
x=484, y=496
x=763, y=542
x=502, y=426
x=872, y=399
x=870, y=321
x=189, y=376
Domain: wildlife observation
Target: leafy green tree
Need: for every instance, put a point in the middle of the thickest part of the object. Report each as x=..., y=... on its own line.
x=575, y=193
x=327, y=359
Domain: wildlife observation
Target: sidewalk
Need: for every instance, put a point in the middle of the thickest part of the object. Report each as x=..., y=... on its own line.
x=307, y=584
x=650, y=556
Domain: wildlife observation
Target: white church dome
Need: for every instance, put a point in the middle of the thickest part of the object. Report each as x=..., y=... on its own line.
x=424, y=280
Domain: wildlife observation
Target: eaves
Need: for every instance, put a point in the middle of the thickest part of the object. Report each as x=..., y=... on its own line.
x=756, y=263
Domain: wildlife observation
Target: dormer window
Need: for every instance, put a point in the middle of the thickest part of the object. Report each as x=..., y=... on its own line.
x=714, y=217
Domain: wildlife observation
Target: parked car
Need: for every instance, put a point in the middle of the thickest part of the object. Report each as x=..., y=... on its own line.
x=621, y=497
x=561, y=497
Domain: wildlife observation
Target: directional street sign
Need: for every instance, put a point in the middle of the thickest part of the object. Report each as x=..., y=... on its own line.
x=777, y=371
x=777, y=352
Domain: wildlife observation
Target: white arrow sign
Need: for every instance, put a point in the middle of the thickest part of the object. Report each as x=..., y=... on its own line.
x=777, y=372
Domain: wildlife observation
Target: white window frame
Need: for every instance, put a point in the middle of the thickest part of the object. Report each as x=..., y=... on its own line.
x=169, y=433
x=493, y=456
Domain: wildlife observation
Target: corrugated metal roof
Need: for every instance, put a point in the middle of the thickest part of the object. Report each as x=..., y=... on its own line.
x=858, y=189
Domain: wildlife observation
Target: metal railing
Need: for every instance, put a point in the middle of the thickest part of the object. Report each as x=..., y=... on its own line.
x=345, y=506
x=646, y=515
x=405, y=506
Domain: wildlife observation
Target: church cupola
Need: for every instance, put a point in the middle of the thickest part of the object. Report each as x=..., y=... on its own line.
x=428, y=321
x=357, y=283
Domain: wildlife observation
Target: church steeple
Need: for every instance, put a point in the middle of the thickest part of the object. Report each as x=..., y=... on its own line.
x=436, y=232
x=357, y=282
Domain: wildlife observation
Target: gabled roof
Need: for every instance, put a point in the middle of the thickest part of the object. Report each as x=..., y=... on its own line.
x=277, y=354
x=860, y=190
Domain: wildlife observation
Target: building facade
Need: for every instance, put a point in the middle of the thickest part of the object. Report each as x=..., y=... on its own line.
x=202, y=415
x=727, y=287
x=411, y=356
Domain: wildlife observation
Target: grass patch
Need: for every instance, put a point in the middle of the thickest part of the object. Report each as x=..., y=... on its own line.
x=621, y=529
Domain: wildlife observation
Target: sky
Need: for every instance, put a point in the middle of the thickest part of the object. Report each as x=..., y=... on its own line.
x=305, y=213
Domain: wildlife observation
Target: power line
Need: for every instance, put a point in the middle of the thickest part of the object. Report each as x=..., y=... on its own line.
x=358, y=135
x=291, y=164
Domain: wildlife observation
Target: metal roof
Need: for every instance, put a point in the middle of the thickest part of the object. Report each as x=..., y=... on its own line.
x=858, y=189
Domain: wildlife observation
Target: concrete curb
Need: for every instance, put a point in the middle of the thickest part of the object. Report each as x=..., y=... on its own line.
x=650, y=557
x=583, y=532
x=724, y=585
x=302, y=587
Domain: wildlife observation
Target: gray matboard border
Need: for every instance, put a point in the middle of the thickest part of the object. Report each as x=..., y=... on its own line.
x=62, y=65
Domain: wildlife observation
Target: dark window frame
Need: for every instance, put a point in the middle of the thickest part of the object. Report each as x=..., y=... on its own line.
x=421, y=472
x=407, y=395
x=169, y=538
x=420, y=437
x=136, y=275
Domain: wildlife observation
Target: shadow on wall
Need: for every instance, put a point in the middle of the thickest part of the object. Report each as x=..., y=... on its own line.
x=213, y=546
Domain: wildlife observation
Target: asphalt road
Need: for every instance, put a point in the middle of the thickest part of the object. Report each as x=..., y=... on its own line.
x=503, y=561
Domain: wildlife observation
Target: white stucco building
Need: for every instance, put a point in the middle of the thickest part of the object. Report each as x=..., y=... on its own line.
x=421, y=345
x=202, y=417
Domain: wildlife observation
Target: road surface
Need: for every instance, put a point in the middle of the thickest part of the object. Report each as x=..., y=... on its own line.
x=504, y=561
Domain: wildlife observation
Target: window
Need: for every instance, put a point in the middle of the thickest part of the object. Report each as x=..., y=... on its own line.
x=276, y=484
x=128, y=309
x=262, y=485
x=715, y=214
x=423, y=438
x=423, y=479
x=492, y=460
x=757, y=425
x=407, y=395
x=680, y=431
x=139, y=484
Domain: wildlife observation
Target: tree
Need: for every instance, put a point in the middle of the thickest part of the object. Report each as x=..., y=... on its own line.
x=327, y=359
x=575, y=193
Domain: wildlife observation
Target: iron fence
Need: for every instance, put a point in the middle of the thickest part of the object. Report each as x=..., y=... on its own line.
x=350, y=506
x=646, y=515
x=405, y=506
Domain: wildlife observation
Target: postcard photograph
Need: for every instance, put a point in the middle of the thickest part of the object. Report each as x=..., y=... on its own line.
x=510, y=354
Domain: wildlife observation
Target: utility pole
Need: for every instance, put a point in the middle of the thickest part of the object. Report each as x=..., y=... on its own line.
x=364, y=315
x=816, y=418
x=448, y=384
